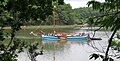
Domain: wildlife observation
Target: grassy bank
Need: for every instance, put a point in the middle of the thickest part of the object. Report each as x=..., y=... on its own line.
x=24, y=33
x=44, y=27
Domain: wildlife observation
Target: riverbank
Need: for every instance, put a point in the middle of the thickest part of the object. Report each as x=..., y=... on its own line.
x=44, y=26
x=24, y=33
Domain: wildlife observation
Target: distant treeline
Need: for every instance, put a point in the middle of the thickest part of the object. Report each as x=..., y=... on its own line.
x=67, y=16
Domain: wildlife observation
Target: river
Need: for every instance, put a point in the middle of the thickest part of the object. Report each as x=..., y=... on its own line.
x=71, y=50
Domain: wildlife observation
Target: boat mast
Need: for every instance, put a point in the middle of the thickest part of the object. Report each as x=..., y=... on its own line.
x=55, y=13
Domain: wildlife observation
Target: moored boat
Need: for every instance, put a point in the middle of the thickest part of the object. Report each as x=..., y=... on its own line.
x=65, y=37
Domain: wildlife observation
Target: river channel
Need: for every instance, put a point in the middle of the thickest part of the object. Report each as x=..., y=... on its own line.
x=72, y=50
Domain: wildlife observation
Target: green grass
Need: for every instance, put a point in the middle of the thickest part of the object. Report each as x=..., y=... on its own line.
x=24, y=33
x=45, y=27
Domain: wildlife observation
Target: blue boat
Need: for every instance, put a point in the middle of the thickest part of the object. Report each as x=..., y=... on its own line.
x=69, y=37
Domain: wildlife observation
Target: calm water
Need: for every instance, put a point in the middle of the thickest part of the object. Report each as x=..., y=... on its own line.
x=70, y=50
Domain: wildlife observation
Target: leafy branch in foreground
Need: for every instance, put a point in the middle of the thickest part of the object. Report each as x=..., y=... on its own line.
x=96, y=56
x=110, y=18
x=14, y=13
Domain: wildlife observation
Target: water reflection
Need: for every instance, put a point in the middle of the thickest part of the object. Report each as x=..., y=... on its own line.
x=70, y=50
x=63, y=50
x=60, y=45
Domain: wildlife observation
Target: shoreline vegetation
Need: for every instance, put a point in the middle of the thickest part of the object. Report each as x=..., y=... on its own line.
x=45, y=26
x=41, y=27
x=26, y=30
x=24, y=33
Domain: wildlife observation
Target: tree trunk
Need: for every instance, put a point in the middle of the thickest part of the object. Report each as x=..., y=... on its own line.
x=109, y=44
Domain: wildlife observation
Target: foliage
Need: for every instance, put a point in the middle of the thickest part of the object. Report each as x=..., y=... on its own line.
x=109, y=18
x=84, y=13
x=116, y=46
x=110, y=15
x=9, y=54
x=15, y=13
x=96, y=56
x=64, y=12
x=32, y=53
x=27, y=10
x=69, y=16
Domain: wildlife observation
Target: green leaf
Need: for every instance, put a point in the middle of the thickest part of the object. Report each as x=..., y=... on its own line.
x=60, y=2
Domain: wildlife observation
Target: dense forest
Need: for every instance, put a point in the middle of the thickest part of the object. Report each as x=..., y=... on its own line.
x=67, y=16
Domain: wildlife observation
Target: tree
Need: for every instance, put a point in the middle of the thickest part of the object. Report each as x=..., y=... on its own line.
x=110, y=18
x=15, y=13
x=64, y=12
x=82, y=14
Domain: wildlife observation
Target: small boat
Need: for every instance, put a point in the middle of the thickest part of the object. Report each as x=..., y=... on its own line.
x=65, y=37
x=95, y=38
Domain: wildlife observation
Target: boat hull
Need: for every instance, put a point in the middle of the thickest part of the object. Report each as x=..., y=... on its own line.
x=77, y=37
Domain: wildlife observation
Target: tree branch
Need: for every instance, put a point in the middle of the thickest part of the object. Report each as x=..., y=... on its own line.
x=109, y=44
x=12, y=37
